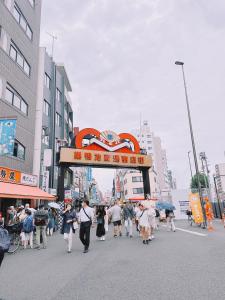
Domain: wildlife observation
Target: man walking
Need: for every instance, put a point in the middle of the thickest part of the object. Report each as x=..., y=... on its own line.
x=129, y=214
x=115, y=212
x=41, y=221
x=86, y=217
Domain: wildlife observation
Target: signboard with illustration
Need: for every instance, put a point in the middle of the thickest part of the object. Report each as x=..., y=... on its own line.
x=7, y=136
x=196, y=207
x=95, y=148
x=14, y=176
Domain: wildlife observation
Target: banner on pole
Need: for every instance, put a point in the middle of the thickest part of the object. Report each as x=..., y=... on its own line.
x=196, y=207
x=7, y=136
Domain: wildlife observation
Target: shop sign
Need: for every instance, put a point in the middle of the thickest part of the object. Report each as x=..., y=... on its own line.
x=28, y=179
x=9, y=175
x=196, y=207
x=100, y=158
x=45, y=181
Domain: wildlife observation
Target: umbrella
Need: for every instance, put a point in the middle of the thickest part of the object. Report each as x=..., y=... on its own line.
x=165, y=205
x=54, y=205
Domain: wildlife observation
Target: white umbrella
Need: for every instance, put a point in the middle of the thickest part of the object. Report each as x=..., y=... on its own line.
x=54, y=205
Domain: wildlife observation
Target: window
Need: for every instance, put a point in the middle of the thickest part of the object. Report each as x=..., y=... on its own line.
x=32, y=3
x=149, y=142
x=19, y=150
x=149, y=136
x=46, y=108
x=15, y=99
x=137, y=179
x=58, y=95
x=138, y=191
x=22, y=20
x=17, y=56
x=149, y=148
x=45, y=137
x=58, y=120
x=47, y=81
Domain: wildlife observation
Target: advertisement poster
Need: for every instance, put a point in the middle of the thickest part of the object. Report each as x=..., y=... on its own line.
x=196, y=208
x=7, y=136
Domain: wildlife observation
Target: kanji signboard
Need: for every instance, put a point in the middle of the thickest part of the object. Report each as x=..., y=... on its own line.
x=8, y=175
x=97, y=158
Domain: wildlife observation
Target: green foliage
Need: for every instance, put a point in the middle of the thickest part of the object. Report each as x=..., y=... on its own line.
x=202, y=179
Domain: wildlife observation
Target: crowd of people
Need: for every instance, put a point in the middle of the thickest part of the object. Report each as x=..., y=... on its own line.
x=142, y=218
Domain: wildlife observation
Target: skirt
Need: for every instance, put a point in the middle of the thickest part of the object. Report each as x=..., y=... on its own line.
x=100, y=230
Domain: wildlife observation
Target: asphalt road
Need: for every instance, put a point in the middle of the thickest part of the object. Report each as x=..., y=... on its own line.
x=175, y=266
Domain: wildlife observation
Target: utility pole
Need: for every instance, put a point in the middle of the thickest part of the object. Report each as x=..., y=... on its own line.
x=54, y=37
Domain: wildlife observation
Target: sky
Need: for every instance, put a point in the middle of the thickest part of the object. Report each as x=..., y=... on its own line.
x=119, y=56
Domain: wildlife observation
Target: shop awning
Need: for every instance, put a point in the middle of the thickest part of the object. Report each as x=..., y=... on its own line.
x=18, y=191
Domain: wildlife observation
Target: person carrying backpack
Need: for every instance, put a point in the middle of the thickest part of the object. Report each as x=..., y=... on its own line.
x=41, y=221
x=28, y=229
x=4, y=242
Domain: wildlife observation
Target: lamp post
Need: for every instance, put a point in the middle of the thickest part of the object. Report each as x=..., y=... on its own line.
x=179, y=63
x=189, y=159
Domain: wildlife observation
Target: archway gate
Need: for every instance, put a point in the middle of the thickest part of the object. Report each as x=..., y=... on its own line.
x=104, y=150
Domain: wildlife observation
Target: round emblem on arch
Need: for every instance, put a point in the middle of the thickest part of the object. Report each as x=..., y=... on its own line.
x=110, y=137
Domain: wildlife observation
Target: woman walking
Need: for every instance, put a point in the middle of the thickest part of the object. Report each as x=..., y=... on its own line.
x=69, y=217
x=144, y=223
x=51, y=222
x=100, y=214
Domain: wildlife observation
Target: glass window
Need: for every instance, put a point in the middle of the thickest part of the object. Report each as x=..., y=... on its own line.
x=19, y=150
x=46, y=108
x=19, y=60
x=16, y=101
x=12, y=52
x=58, y=120
x=58, y=95
x=26, y=68
x=24, y=107
x=47, y=81
x=138, y=191
x=32, y=3
x=9, y=96
x=137, y=179
x=23, y=23
x=29, y=32
x=16, y=14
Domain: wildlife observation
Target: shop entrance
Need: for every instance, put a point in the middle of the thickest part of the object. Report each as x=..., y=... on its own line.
x=104, y=150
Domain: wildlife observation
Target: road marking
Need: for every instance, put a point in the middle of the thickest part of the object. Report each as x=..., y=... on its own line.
x=189, y=231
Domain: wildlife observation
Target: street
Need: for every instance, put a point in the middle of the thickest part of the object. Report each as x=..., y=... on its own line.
x=179, y=265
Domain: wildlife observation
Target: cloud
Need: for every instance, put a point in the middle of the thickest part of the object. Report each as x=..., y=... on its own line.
x=120, y=55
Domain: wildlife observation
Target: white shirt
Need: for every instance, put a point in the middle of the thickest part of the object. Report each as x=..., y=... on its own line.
x=144, y=218
x=89, y=212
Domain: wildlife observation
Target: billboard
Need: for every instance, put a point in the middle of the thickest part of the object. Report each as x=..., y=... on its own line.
x=7, y=136
x=196, y=208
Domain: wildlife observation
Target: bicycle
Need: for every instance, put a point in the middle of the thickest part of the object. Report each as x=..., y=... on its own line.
x=14, y=234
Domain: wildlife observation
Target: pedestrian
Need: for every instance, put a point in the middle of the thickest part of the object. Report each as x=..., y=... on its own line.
x=144, y=223
x=51, y=222
x=40, y=222
x=152, y=222
x=115, y=212
x=106, y=219
x=28, y=228
x=86, y=218
x=137, y=212
x=170, y=220
x=69, y=218
x=100, y=215
x=4, y=241
x=128, y=214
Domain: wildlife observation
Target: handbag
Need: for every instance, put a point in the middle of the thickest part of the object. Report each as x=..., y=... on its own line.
x=75, y=225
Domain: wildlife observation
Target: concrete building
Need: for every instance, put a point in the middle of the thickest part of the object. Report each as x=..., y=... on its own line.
x=152, y=145
x=54, y=121
x=220, y=180
x=19, y=49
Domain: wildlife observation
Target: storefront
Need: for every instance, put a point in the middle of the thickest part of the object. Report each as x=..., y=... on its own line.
x=18, y=188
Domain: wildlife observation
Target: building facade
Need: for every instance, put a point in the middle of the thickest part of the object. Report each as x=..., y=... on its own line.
x=220, y=180
x=19, y=49
x=54, y=121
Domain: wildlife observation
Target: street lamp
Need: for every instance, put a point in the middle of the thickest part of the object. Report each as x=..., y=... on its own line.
x=189, y=159
x=179, y=63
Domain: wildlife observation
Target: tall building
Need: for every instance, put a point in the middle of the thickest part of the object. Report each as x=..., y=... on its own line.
x=19, y=47
x=54, y=120
x=153, y=146
x=220, y=180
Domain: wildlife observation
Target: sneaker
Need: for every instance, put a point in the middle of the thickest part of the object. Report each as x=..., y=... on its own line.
x=69, y=251
x=85, y=251
x=147, y=242
x=144, y=242
x=131, y=236
x=120, y=233
x=115, y=235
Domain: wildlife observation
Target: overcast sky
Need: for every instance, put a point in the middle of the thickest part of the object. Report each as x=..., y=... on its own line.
x=120, y=54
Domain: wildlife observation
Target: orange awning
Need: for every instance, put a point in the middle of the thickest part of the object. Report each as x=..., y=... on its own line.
x=18, y=191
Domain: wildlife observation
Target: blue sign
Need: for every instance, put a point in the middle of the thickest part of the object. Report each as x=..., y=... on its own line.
x=7, y=136
x=89, y=174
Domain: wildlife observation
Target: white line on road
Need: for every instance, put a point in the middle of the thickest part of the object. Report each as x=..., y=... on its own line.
x=189, y=231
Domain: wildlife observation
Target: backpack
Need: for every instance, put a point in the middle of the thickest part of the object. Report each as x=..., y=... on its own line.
x=4, y=239
x=28, y=225
x=40, y=219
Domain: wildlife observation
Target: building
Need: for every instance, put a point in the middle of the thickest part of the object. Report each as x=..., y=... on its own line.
x=54, y=121
x=220, y=180
x=19, y=49
x=172, y=180
x=152, y=145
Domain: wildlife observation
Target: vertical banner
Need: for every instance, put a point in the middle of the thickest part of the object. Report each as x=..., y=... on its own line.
x=45, y=181
x=7, y=136
x=196, y=207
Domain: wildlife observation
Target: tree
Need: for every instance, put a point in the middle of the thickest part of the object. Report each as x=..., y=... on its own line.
x=202, y=179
